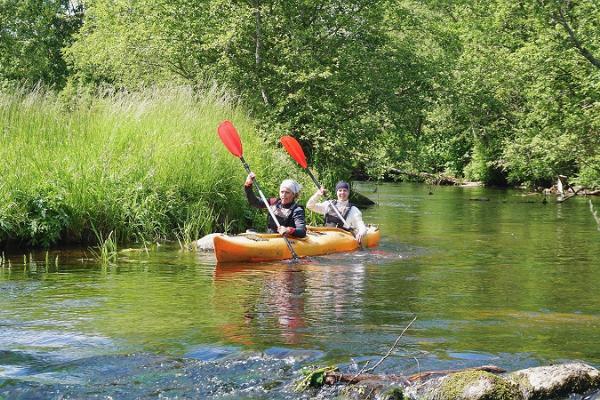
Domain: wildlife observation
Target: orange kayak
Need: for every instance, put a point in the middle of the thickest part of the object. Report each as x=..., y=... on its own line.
x=257, y=247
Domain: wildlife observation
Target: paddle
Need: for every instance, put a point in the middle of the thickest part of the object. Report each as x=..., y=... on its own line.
x=233, y=143
x=295, y=150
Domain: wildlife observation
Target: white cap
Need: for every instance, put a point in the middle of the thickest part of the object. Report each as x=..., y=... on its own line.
x=291, y=185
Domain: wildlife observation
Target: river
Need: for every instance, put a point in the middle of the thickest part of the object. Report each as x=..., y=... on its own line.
x=492, y=277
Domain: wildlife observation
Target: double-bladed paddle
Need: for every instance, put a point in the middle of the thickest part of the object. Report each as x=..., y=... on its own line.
x=295, y=150
x=233, y=143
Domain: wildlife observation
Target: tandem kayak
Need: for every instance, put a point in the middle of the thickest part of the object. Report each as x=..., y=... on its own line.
x=258, y=247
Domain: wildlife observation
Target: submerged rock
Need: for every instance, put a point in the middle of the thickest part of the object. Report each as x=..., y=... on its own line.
x=468, y=385
x=206, y=243
x=549, y=382
x=555, y=380
x=368, y=390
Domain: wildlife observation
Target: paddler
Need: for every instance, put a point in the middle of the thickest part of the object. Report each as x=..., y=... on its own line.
x=348, y=211
x=288, y=212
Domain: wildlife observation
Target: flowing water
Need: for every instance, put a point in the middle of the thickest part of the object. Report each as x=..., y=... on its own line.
x=492, y=277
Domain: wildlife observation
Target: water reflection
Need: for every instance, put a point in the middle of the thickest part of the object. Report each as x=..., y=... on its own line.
x=290, y=299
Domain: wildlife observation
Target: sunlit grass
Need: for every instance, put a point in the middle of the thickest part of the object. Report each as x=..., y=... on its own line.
x=146, y=166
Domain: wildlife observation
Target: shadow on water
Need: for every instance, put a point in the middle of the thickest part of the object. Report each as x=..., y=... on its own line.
x=500, y=281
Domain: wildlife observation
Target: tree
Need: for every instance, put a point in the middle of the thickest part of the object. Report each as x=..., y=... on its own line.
x=521, y=103
x=32, y=35
x=331, y=72
x=499, y=91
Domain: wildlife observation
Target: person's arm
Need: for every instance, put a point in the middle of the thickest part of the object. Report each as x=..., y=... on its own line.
x=252, y=199
x=299, y=228
x=356, y=223
x=313, y=203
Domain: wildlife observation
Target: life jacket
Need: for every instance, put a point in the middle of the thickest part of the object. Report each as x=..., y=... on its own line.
x=285, y=216
x=332, y=219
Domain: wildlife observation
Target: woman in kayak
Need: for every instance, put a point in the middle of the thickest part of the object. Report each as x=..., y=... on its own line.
x=349, y=212
x=288, y=212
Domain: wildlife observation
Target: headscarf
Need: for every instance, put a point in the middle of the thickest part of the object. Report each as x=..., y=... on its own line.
x=291, y=185
x=342, y=185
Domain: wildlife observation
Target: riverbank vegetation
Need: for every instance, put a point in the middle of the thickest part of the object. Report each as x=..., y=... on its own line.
x=130, y=167
x=498, y=92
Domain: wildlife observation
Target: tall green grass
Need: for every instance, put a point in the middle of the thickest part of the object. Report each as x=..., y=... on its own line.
x=146, y=166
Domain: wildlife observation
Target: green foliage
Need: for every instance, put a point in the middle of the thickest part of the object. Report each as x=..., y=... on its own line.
x=145, y=166
x=45, y=215
x=499, y=91
x=313, y=377
x=538, y=161
x=106, y=251
x=129, y=44
x=589, y=174
x=327, y=72
x=523, y=92
x=32, y=36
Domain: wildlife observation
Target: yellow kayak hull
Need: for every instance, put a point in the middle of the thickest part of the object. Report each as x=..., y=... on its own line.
x=259, y=247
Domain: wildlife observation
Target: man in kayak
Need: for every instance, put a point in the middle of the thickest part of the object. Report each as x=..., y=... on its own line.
x=349, y=212
x=288, y=212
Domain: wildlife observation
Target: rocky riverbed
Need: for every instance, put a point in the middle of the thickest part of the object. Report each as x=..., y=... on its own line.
x=572, y=381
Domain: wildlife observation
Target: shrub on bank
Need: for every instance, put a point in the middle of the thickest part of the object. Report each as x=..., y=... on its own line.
x=146, y=165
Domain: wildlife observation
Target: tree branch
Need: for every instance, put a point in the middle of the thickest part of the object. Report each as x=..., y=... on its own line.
x=257, y=53
x=391, y=348
x=562, y=20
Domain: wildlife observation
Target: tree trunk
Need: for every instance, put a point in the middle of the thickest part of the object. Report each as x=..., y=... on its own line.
x=257, y=53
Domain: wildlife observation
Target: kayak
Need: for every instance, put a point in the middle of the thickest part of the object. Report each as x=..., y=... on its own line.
x=258, y=247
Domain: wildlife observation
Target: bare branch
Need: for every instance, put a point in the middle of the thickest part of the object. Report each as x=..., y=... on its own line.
x=391, y=348
x=364, y=372
x=257, y=52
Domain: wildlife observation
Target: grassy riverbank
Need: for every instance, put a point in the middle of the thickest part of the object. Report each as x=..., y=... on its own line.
x=145, y=166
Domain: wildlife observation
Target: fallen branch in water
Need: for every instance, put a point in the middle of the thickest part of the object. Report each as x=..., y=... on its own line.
x=565, y=190
x=565, y=197
x=390, y=350
x=332, y=377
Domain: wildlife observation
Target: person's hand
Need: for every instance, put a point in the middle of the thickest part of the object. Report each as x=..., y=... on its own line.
x=250, y=179
x=321, y=191
x=360, y=236
x=285, y=231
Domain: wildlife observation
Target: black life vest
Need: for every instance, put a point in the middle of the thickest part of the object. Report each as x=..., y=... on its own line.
x=285, y=216
x=332, y=219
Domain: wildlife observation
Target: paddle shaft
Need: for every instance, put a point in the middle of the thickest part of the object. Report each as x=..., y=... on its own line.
x=339, y=214
x=264, y=199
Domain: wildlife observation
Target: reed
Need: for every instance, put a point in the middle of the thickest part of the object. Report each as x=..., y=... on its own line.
x=106, y=251
x=148, y=165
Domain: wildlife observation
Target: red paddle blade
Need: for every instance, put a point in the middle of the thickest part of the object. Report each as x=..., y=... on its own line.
x=294, y=149
x=230, y=138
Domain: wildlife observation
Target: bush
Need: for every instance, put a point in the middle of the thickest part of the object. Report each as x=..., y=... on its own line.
x=146, y=165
